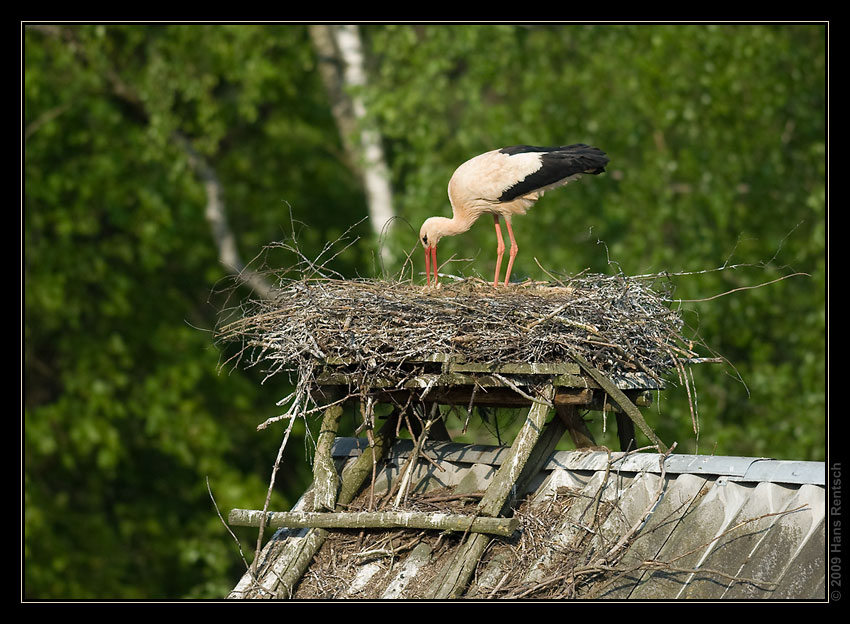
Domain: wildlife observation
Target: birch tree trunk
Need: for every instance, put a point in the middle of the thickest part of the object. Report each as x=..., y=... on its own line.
x=215, y=213
x=341, y=64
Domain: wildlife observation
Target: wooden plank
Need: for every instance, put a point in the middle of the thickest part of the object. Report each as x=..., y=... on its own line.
x=493, y=379
x=453, y=363
x=450, y=379
x=517, y=368
x=502, y=396
x=573, y=397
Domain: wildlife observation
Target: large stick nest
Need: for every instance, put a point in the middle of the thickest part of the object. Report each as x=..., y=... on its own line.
x=617, y=323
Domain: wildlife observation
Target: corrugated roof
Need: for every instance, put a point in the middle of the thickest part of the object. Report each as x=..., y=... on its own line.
x=593, y=525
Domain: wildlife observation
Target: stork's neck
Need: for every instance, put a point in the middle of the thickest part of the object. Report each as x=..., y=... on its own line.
x=466, y=206
x=460, y=222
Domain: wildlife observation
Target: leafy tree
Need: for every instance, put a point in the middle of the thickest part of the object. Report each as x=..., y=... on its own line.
x=126, y=411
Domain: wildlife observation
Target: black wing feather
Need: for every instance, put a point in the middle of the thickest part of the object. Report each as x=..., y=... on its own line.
x=557, y=163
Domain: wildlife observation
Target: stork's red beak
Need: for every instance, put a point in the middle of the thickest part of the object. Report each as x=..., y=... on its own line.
x=431, y=259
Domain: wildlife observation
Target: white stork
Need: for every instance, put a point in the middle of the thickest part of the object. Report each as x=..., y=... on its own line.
x=505, y=182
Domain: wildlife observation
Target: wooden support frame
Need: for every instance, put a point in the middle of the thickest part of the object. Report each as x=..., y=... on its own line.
x=542, y=388
x=298, y=551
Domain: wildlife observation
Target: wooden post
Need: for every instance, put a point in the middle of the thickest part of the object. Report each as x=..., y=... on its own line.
x=325, y=477
x=453, y=581
x=625, y=432
x=577, y=428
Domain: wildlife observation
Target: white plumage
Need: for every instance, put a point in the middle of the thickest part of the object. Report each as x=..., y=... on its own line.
x=505, y=182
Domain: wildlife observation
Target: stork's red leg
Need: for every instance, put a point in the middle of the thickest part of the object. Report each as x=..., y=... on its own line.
x=513, y=252
x=434, y=264
x=500, y=249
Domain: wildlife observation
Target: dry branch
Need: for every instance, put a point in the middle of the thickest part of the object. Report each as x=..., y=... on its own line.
x=616, y=323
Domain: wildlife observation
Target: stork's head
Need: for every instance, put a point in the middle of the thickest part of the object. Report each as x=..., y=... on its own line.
x=432, y=231
x=429, y=235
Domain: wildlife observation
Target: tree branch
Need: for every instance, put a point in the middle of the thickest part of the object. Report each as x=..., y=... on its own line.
x=215, y=210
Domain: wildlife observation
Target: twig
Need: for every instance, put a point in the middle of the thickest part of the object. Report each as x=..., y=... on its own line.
x=275, y=468
x=521, y=392
x=411, y=462
x=737, y=526
x=232, y=534
x=734, y=290
x=629, y=535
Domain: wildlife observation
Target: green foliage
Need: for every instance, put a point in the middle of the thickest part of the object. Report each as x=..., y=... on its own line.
x=717, y=142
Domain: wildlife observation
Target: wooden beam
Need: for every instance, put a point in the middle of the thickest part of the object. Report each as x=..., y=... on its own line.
x=573, y=397
x=452, y=363
x=447, y=379
x=376, y=520
x=622, y=400
x=576, y=427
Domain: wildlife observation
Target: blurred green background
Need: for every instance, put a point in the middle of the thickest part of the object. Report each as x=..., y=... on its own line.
x=717, y=139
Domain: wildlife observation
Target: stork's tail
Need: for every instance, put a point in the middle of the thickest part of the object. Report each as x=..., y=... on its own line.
x=591, y=159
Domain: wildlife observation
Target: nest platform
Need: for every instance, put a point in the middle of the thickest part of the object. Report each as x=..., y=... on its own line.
x=468, y=344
